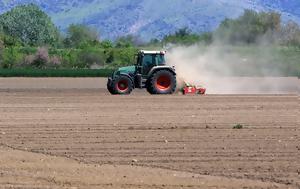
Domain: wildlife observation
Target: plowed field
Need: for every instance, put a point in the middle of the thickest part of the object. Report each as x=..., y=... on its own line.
x=144, y=141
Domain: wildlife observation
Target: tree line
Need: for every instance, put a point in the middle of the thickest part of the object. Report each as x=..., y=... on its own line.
x=28, y=38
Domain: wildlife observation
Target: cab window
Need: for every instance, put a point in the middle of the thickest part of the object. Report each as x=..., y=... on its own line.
x=160, y=59
x=148, y=63
x=147, y=60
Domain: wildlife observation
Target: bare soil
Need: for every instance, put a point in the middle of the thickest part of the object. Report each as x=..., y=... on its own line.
x=76, y=136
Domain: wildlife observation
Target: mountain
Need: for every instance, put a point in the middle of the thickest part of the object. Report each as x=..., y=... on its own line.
x=152, y=18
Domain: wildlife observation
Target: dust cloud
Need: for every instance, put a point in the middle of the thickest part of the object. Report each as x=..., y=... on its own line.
x=219, y=69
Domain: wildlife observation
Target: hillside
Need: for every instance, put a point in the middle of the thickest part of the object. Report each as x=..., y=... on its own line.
x=150, y=19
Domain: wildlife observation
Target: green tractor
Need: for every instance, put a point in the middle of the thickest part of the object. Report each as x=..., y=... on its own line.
x=150, y=72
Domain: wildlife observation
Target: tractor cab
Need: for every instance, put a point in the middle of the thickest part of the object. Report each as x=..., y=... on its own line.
x=146, y=60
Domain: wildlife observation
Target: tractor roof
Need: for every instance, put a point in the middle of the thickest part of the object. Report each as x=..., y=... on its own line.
x=152, y=52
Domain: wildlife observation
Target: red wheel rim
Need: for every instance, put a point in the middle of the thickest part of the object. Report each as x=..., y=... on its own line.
x=122, y=85
x=163, y=82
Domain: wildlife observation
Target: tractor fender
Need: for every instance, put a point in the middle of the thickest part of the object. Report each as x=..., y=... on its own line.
x=157, y=68
x=130, y=77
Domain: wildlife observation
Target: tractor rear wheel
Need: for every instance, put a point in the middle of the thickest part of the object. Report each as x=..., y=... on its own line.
x=121, y=85
x=162, y=82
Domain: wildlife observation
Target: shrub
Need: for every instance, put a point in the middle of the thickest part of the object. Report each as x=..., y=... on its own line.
x=109, y=56
x=11, y=57
x=27, y=50
x=55, y=73
x=1, y=44
x=1, y=50
x=28, y=60
x=88, y=57
x=41, y=57
x=238, y=126
x=69, y=58
x=54, y=61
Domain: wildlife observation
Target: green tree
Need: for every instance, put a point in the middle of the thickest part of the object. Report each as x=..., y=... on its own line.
x=124, y=56
x=290, y=34
x=9, y=41
x=249, y=27
x=154, y=42
x=30, y=25
x=11, y=57
x=125, y=41
x=106, y=44
x=80, y=36
x=183, y=32
x=182, y=36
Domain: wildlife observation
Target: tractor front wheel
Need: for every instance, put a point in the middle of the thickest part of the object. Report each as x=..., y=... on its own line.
x=121, y=85
x=162, y=82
